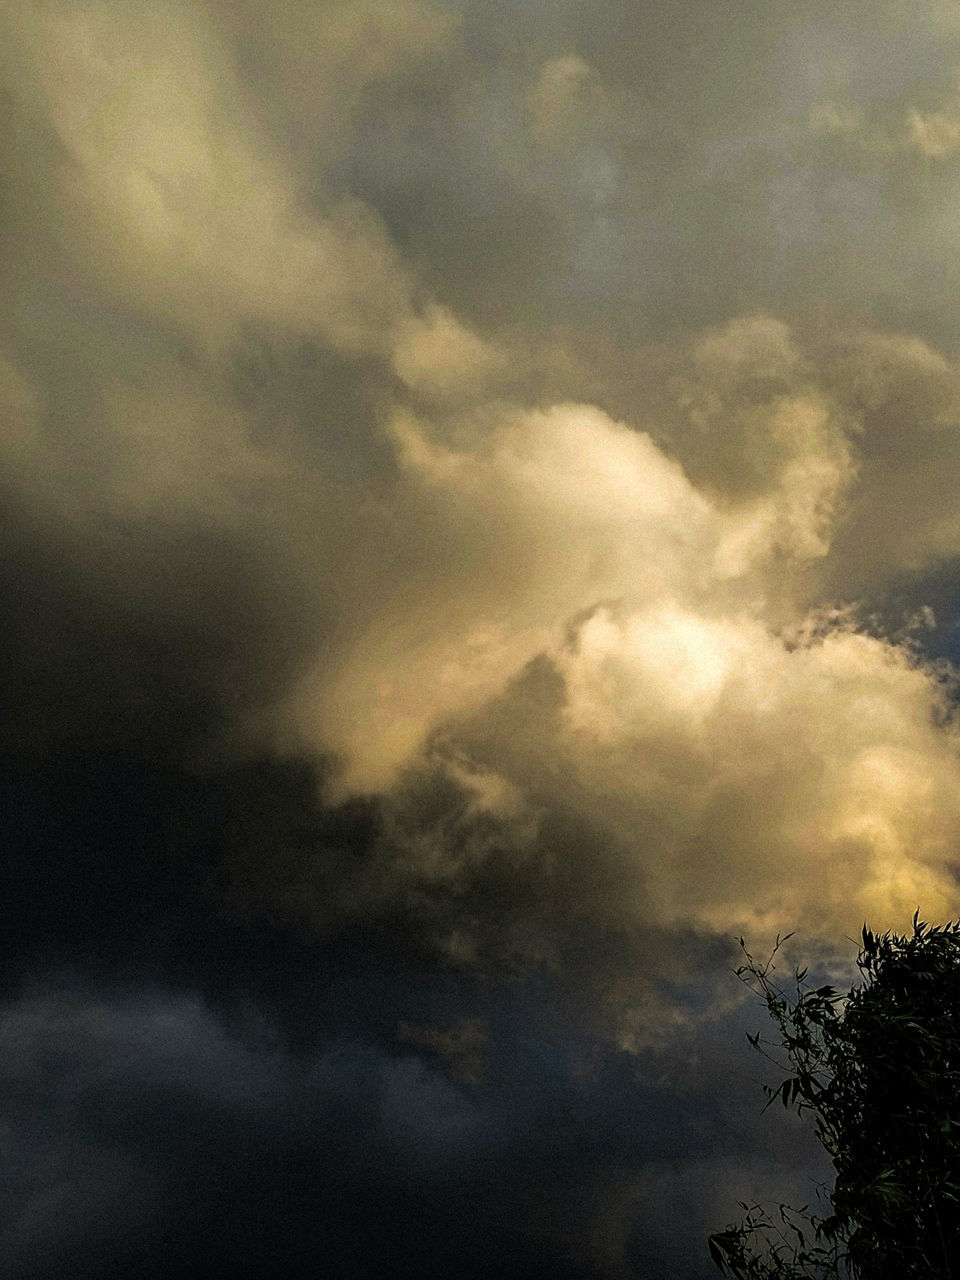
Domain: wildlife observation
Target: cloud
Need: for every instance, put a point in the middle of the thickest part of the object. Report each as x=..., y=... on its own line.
x=900, y=521
x=170, y=190
x=480, y=493
x=528, y=518
x=143, y=1127
x=883, y=131
x=438, y=355
x=460, y=1047
x=637, y=713
x=935, y=135
x=489, y=518
x=831, y=117
x=566, y=93
x=313, y=66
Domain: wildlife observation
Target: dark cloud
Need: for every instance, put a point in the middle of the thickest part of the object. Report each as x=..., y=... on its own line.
x=193, y=1086
x=172, y=1140
x=478, y=531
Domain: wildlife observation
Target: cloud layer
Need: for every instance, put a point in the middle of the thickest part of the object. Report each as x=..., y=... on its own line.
x=480, y=511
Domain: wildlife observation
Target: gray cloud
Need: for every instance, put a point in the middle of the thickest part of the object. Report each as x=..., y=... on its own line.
x=269, y=421
x=479, y=490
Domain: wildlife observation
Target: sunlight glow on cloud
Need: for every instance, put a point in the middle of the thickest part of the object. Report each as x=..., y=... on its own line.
x=480, y=534
x=688, y=536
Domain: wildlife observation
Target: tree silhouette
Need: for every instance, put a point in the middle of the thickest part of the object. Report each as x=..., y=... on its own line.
x=879, y=1068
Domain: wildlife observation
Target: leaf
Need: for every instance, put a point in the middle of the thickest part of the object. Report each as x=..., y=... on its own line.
x=879, y=1067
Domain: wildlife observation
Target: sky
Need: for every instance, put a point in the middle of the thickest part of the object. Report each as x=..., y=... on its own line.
x=479, y=536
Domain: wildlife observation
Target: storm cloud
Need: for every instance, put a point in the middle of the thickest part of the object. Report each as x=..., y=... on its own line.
x=479, y=534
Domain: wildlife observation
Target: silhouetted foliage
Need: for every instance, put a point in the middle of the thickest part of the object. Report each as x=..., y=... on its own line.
x=879, y=1068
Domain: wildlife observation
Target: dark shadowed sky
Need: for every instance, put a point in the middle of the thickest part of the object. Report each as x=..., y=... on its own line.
x=479, y=533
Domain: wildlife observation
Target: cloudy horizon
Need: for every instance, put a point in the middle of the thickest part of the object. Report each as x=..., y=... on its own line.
x=480, y=536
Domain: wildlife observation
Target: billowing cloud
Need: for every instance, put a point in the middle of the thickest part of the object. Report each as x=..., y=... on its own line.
x=648, y=656
x=480, y=532
x=168, y=187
